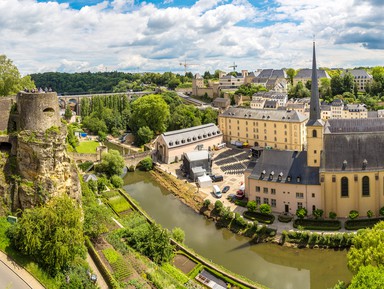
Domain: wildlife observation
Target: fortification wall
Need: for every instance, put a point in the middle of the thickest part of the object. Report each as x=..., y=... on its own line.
x=5, y=109
x=37, y=111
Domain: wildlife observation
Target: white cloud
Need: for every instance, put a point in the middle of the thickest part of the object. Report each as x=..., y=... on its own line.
x=117, y=34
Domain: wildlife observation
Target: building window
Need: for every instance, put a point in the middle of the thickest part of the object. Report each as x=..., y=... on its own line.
x=313, y=195
x=333, y=179
x=257, y=189
x=265, y=190
x=365, y=186
x=314, y=133
x=315, y=151
x=299, y=205
x=273, y=203
x=273, y=191
x=344, y=187
x=258, y=200
x=266, y=201
x=299, y=195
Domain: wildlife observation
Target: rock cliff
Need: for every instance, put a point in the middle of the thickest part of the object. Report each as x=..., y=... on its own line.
x=44, y=168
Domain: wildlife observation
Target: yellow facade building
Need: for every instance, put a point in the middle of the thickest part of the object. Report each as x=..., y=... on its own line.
x=341, y=168
x=276, y=129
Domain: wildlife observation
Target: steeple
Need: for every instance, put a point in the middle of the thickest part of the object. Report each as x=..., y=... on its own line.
x=314, y=112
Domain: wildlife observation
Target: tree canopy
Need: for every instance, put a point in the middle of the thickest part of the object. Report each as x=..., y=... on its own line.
x=11, y=81
x=51, y=234
x=112, y=163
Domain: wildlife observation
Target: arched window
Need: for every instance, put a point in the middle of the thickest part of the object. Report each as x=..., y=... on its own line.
x=365, y=186
x=344, y=187
x=314, y=133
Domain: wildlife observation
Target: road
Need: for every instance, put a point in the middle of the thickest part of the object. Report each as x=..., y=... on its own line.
x=9, y=279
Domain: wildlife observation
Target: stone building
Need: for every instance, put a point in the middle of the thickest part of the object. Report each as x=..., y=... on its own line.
x=170, y=146
x=341, y=169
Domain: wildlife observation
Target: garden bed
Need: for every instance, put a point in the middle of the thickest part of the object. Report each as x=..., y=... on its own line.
x=285, y=218
x=313, y=224
x=260, y=217
x=357, y=224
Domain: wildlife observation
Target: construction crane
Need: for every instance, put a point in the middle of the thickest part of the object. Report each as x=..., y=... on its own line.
x=185, y=64
x=233, y=66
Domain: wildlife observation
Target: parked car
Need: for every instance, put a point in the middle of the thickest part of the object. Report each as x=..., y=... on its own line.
x=240, y=194
x=217, y=178
x=225, y=189
x=216, y=191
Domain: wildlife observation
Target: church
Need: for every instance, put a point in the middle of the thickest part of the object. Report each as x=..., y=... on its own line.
x=340, y=169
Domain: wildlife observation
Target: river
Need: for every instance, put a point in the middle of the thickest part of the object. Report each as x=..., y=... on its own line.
x=268, y=264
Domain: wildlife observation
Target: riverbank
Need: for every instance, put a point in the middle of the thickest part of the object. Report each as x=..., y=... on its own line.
x=278, y=233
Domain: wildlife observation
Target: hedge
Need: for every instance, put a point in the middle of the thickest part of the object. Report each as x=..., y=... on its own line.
x=313, y=224
x=260, y=217
x=357, y=224
x=285, y=218
x=112, y=283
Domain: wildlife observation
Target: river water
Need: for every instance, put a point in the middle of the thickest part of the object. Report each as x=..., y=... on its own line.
x=268, y=264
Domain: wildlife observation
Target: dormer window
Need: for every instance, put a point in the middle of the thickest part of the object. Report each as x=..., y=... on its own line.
x=171, y=143
x=365, y=163
x=177, y=142
x=183, y=141
x=288, y=178
x=298, y=179
x=194, y=138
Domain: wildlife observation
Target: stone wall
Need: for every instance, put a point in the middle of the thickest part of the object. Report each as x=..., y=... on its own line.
x=37, y=111
x=5, y=109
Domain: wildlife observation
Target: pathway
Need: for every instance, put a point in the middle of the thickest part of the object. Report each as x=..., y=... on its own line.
x=14, y=276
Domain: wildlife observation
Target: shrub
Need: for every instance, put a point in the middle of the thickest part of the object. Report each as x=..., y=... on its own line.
x=361, y=223
x=241, y=203
x=260, y=217
x=318, y=213
x=206, y=203
x=285, y=218
x=353, y=214
x=252, y=206
x=218, y=205
x=116, y=181
x=369, y=214
x=381, y=211
x=314, y=224
x=265, y=208
x=301, y=213
x=332, y=215
x=146, y=164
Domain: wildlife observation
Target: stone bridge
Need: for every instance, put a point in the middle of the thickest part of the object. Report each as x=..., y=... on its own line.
x=64, y=100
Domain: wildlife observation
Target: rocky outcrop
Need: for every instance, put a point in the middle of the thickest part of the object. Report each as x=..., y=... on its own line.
x=44, y=167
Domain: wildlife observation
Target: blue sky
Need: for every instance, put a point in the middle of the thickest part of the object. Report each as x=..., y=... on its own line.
x=128, y=35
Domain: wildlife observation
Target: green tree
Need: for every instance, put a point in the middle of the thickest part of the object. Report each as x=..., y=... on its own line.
x=209, y=116
x=184, y=116
x=68, y=113
x=367, y=249
x=117, y=181
x=173, y=83
x=178, y=234
x=151, y=111
x=368, y=277
x=291, y=73
x=112, y=163
x=51, y=234
x=265, y=208
x=252, y=206
x=144, y=135
x=10, y=79
x=301, y=213
x=146, y=164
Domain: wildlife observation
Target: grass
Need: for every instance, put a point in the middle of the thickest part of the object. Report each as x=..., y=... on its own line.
x=119, y=204
x=87, y=147
x=24, y=261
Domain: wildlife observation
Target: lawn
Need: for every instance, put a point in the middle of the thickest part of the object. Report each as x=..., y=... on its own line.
x=119, y=204
x=87, y=147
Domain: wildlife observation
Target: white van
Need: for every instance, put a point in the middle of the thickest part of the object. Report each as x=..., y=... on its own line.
x=216, y=191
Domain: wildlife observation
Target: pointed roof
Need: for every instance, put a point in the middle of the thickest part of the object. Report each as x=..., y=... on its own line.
x=314, y=111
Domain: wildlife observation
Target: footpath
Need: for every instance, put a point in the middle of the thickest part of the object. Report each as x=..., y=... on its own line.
x=23, y=274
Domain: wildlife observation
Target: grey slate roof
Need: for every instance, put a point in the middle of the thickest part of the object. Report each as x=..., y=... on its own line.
x=261, y=114
x=190, y=135
x=357, y=73
x=291, y=164
x=307, y=73
x=353, y=141
x=362, y=125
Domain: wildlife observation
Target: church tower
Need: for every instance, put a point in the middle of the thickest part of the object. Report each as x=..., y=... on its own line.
x=315, y=126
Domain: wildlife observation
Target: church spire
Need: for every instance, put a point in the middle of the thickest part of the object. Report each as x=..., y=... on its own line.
x=314, y=113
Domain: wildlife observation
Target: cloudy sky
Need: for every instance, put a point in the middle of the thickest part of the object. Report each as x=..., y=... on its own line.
x=158, y=35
